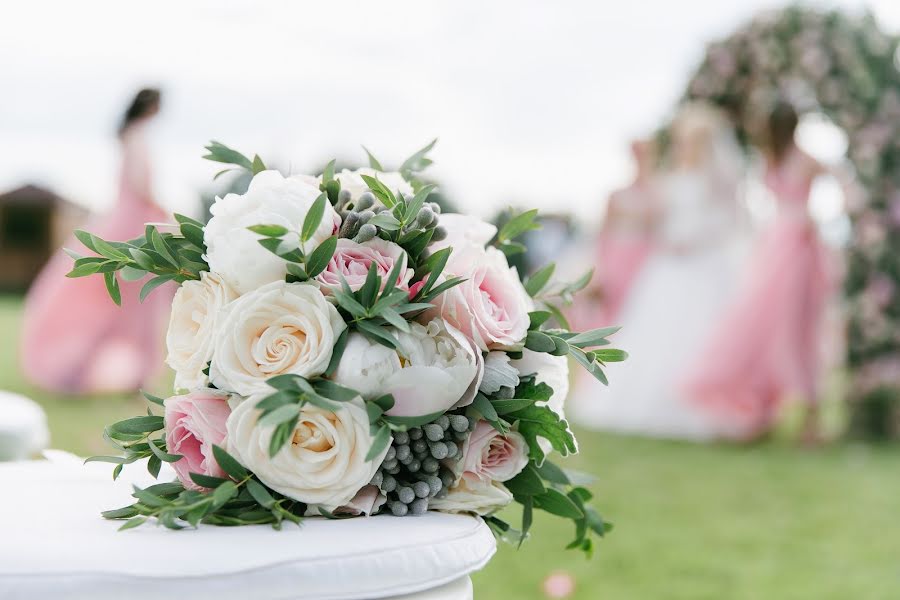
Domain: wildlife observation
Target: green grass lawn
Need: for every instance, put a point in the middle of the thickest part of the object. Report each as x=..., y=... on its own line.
x=718, y=522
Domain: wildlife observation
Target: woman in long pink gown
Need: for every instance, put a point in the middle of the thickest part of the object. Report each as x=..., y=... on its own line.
x=623, y=244
x=767, y=345
x=75, y=340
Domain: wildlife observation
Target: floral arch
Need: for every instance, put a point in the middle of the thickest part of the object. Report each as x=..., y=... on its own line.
x=847, y=68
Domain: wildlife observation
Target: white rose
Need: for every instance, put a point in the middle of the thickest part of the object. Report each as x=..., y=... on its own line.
x=491, y=306
x=277, y=329
x=192, y=327
x=472, y=495
x=353, y=182
x=323, y=463
x=435, y=369
x=234, y=251
x=464, y=230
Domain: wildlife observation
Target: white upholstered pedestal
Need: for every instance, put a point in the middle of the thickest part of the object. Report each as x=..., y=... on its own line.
x=53, y=543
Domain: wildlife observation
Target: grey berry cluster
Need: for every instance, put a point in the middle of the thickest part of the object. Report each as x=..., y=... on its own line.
x=356, y=215
x=418, y=465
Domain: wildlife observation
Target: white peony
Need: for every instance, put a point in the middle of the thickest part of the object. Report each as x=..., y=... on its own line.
x=353, y=182
x=472, y=495
x=234, y=251
x=435, y=369
x=277, y=329
x=464, y=230
x=323, y=463
x=192, y=328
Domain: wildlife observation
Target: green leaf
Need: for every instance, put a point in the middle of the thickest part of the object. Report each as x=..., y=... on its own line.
x=409, y=421
x=126, y=512
x=320, y=257
x=86, y=266
x=112, y=286
x=539, y=280
x=373, y=162
x=485, y=407
x=349, y=303
x=369, y=290
x=418, y=161
x=594, y=337
x=106, y=249
x=539, y=342
x=207, y=481
x=86, y=238
x=159, y=244
x=557, y=503
x=588, y=363
x=538, y=421
x=443, y=287
x=416, y=204
x=334, y=391
x=194, y=234
x=610, y=355
x=386, y=221
x=147, y=424
x=225, y=492
x=117, y=460
x=154, y=399
x=527, y=517
x=223, y=154
x=269, y=230
x=279, y=415
x=163, y=456
x=381, y=191
x=132, y=523
x=386, y=402
x=391, y=316
x=142, y=259
x=552, y=473
x=153, y=284
x=313, y=218
x=132, y=274
x=379, y=443
x=337, y=352
x=518, y=225
x=257, y=166
x=376, y=334
x=538, y=318
x=229, y=464
x=526, y=483
x=260, y=494
x=506, y=406
x=328, y=173
x=280, y=436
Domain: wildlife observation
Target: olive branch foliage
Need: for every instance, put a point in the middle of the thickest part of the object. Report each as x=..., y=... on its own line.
x=176, y=253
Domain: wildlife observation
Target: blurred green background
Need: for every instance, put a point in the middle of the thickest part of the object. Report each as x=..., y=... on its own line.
x=771, y=520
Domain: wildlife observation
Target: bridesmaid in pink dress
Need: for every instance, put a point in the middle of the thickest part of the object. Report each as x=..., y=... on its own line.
x=767, y=345
x=75, y=340
x=624, y=241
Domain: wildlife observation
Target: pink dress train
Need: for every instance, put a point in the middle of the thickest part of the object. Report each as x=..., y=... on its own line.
x=767, y=344
x=621, y=251
x=75, y=339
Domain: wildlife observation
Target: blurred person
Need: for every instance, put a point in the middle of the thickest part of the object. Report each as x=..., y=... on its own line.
x=75, y=340
x=683, y=286
x=767, y=344
x=623, y=243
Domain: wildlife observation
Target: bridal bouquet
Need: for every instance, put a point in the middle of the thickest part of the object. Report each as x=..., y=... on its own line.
x=343, y=348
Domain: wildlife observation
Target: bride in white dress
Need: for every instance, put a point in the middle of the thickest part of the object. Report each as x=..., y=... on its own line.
x=679, y=293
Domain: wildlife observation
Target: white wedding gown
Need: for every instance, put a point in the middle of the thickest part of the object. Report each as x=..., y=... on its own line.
x=667, y=315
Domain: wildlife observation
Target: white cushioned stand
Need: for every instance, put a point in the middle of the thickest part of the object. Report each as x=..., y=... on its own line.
x=53, y=543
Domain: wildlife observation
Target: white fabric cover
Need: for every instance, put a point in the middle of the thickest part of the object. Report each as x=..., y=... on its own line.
x=23, y=427
x=53, y=542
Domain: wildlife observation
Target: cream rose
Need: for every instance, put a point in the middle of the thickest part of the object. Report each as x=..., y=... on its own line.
x=491, y=306
x=435, y=369
x=472, y=495
x=234, y=251
x=493, y=456
x=192, y=327
x=324, y=462
x=351, y=262
x=277, y=329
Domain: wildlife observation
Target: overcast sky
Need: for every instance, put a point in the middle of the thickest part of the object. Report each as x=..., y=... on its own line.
x=533, y=102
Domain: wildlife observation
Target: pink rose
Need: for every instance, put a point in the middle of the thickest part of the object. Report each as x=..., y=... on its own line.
x=194, y=423
x=492, y=456
x=367, y=501
x=490, y=307
x=351, y=262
